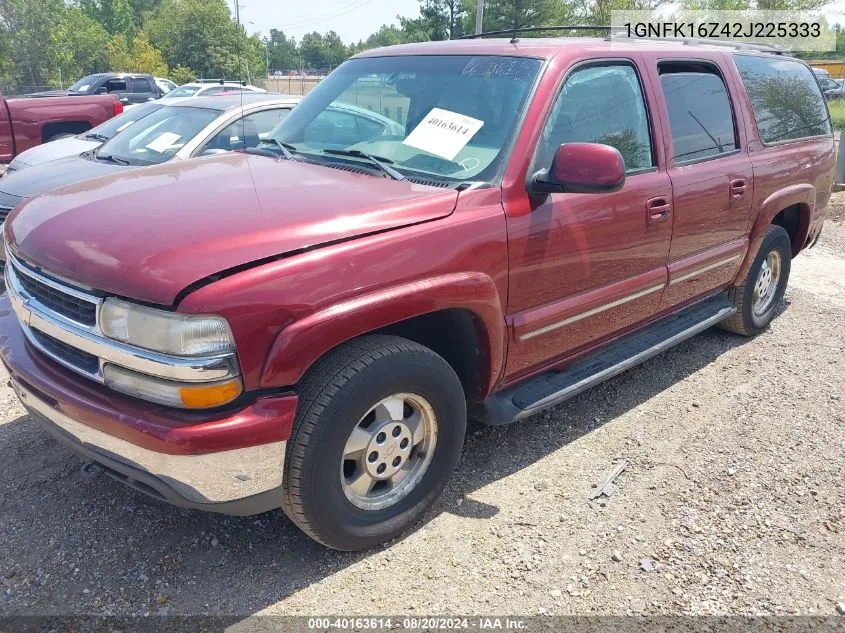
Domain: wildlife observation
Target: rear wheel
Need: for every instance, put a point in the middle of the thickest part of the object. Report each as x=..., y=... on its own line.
x=378, y=432
x=757, y=298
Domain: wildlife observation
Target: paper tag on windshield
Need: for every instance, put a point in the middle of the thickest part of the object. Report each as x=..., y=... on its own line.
x=443, y=133
x=163, y=142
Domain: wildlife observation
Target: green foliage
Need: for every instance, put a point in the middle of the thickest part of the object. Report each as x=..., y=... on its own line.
x=28, y=24
x=837, y=114
x=281, y=51
x=77, y=47
x=181, y=75
x=510, y=14
x=115, y=16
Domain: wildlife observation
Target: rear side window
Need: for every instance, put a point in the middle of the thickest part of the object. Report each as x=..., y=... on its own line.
x=700, y=115
x=785, y=98
x=139, y=84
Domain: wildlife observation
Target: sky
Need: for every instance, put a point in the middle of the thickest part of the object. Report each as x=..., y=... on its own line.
x=353, y=20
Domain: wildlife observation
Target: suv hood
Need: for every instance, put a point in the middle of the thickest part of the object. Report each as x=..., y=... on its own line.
x=149, y=233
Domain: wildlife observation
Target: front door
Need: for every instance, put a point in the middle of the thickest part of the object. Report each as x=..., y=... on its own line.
x=585, y=266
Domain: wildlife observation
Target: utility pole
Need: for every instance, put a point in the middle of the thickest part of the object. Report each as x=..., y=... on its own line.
x=479, y=17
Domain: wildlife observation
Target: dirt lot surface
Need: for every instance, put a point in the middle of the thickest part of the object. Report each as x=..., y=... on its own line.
x=733, y=502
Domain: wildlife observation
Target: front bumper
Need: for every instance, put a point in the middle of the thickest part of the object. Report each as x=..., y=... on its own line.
x=230, y=462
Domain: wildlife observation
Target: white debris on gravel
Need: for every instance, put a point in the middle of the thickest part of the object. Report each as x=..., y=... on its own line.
x=732, y=498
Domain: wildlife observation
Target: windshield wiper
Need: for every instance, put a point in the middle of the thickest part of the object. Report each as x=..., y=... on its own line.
x=286, y=148
x=97, y=137
x=112, y=159
x=378, y=161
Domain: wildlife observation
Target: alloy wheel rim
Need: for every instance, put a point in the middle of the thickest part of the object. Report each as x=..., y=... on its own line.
x=766, y=284
x=388, y=451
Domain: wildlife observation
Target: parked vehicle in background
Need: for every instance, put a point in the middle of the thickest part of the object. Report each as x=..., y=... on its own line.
x=825, y=82
x=164, y=85
x=308, y=325
x=838, y=92
x=29, y=121
x=209, y=88
x=93, y=138
x=176, y=131
x=129, y=87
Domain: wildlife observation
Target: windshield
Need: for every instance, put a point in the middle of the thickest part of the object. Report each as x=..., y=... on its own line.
x=165, y=85
x=157, y=137
x=182, y=91
x=123, y=121
x=84, y=85
x=442, y=117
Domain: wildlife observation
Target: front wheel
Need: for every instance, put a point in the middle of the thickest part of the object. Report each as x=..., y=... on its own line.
x=378, y=432
x=757, y=298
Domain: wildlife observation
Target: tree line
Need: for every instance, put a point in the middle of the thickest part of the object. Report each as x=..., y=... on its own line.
x=52, y=43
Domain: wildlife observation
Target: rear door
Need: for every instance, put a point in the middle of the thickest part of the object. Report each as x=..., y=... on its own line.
x=586, y=266
x=711, y=176
x=140, y=89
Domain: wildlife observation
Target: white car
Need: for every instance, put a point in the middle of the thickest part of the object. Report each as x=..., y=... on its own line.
x=165, y=85
x=208, y=88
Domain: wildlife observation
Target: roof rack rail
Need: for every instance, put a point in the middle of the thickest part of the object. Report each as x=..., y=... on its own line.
x=537, y=29
x=221, y=81
x=705, y=41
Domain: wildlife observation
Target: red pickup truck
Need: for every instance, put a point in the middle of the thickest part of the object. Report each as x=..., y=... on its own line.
x=309, y=325
x=29, y=121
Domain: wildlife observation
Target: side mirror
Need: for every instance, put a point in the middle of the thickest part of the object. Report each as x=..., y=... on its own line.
x=582, y=168
x=102, y=90
x=213, y=152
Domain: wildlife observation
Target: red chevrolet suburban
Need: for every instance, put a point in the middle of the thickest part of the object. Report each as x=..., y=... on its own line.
x=308, y=325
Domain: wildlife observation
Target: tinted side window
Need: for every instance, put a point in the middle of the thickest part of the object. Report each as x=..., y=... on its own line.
x=116, y=85
x=602, y=104
x=700, y=115
x=785, y=98
x=138, y=84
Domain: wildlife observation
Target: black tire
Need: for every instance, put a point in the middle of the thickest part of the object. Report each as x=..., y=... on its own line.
x=744, y=321
x=334, y=395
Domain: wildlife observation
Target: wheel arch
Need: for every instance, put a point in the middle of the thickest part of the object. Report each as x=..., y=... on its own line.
x=790, y=208
x=49, y=130
x=458, y=316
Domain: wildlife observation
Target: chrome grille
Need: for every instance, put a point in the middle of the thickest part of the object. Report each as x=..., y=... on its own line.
x=64, y=352
x=67, y=305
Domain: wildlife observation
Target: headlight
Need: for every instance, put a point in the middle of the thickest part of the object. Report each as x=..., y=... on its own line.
x=170, y=393
x=166, y=332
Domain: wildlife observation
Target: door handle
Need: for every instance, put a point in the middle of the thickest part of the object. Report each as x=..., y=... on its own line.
x=657, y=209
x=737, y=188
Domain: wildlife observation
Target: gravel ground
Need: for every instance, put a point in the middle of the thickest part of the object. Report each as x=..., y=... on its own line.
x=732, y=502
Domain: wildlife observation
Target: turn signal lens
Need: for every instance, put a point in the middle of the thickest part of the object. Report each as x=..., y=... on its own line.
x=209, y=395
x=184, y=395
